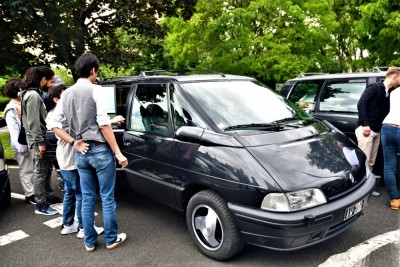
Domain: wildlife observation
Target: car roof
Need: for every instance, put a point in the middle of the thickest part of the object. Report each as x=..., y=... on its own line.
x=172, y=78
x=340, y=75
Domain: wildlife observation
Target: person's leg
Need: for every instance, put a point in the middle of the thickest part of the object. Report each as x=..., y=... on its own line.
x=69, y=197
x=25, y=164
x=376, y=139
x=365, y=144
x=88, y=187
x=48, y=188
x=78, y=195
x=104, y=163
x=40, y=172
x=390, y=148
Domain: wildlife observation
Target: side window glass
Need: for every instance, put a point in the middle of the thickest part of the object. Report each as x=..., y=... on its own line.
x=305, y=93
x=150, y=109
x=342, y=96
x=182, y=113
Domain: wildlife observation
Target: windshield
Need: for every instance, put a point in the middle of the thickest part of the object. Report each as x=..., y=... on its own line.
x=238, y=103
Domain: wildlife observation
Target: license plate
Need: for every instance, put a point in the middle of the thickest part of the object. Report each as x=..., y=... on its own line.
x=353, y=210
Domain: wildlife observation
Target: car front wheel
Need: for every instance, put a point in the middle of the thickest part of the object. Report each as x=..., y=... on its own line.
x=212, y=226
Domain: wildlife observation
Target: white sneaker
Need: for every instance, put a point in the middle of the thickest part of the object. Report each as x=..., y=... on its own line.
x=67, y=230
x=119, y=241
x=81, y=232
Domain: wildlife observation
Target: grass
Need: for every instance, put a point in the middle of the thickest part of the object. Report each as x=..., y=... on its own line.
x=5, y=140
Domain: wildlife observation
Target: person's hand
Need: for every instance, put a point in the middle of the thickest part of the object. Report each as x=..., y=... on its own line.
x=118, y=120
x=23, y=150
x=122, y=160
x=81, y=146
x=42, y=151
x=366, y=130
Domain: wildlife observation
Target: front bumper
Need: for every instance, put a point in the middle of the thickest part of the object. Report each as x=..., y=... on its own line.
x=296, y=230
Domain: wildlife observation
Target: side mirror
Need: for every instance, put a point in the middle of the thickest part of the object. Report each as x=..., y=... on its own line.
x=189, y=134
x=205, y=137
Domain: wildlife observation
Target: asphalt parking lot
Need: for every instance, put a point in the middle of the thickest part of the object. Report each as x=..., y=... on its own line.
x=157, y=236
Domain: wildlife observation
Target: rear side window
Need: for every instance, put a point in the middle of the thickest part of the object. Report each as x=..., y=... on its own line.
x=305, y=92
x=342, y=96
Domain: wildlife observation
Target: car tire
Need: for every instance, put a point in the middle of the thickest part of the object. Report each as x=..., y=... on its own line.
x=212, y=226
x=5, y=201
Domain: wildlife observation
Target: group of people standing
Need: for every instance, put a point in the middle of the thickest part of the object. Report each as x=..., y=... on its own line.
x=86, y=149
x=379, y=122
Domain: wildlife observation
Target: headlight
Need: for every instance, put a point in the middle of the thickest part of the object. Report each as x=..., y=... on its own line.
x=293, y=201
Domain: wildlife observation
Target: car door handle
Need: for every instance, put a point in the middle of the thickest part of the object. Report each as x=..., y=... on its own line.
x=127, y=143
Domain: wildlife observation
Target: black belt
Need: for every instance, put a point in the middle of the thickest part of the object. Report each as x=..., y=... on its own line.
x=96, y=143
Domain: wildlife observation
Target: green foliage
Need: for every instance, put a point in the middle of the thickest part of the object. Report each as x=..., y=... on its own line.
x=67, y=29
x=267, y=39
x=379, y=30
x=5, y=140
x=64, y=74
x=107, y=71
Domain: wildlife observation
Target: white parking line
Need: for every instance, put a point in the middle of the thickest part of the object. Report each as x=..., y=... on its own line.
x=355, y=255
x=17, y=196
x=54, y=223
x=11, y=237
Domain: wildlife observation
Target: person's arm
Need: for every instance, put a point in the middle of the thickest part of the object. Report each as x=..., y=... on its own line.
x=362, y=106
x=108, y=134
x=55, y=125
x=118, y=120
x=104, y=122
x=14, y=129
x=33, y=104
x=79, y=145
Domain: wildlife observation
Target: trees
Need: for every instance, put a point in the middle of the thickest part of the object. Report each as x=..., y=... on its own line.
x=267, y=39
x=379, y=31
x=60, y=31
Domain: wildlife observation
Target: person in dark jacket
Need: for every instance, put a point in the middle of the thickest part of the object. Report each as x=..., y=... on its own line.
x=373, y=107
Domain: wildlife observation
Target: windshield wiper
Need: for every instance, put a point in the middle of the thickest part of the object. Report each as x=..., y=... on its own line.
x=281, y=122
x=288, y=119
x=274, y=126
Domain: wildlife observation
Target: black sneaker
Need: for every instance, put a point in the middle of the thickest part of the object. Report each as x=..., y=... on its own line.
x=45, y=209
x=30, y=200
x=53, y=200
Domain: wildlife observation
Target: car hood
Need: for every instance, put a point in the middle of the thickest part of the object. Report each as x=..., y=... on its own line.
x=309, y=158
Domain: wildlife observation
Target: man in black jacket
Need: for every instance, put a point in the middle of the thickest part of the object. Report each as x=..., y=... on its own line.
x=373, y=107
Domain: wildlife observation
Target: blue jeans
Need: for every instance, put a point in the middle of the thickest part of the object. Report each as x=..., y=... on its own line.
x=98, y=164
x=72, y=197
x=391, y=146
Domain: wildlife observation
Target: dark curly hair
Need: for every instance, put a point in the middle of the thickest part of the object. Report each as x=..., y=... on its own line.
x=34, y=75
x=55, y=91
x=12, y=87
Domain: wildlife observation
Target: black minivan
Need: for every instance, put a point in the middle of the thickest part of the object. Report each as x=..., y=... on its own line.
x=242, y=162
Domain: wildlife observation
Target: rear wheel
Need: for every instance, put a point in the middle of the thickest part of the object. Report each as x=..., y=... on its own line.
x=212, y=226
